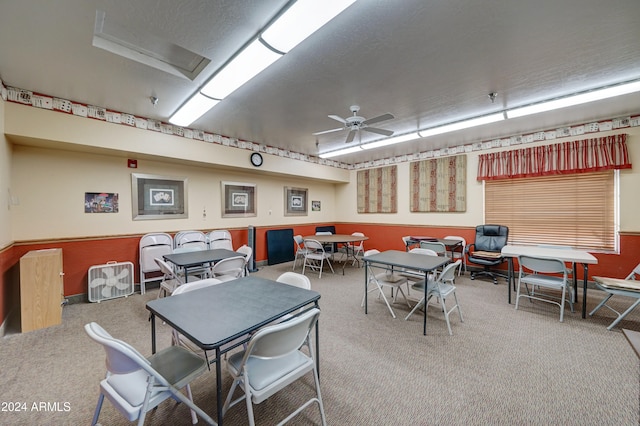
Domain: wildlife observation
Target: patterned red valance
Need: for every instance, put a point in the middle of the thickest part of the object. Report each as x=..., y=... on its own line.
x=588, y=155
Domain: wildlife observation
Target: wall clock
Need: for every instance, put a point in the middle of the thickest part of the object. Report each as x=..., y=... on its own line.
x=256, y=159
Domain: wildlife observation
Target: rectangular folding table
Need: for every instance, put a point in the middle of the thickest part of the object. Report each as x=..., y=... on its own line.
x=214, y=316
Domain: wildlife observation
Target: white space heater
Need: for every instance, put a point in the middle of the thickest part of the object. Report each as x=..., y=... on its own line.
x=111, y=280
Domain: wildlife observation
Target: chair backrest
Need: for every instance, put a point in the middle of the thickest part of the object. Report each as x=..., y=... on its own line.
x=220, y=238
x=278, y=340
x=313, y=245
x=230, y=266
x=491, y=237
x=371, y=252
x=437, y=247
x=195, y=285
x=458, y=238
x=166, y=269
x=425, y=251
x=330, y=228
x=635, y=274
x=324, y=233
x=299, y=241
x=246, y=251
x=191, y=238
x=448, y=274
x=152, y=246
x=122, y=358
x=544, y=266
x=360, y=245
x=295, y=279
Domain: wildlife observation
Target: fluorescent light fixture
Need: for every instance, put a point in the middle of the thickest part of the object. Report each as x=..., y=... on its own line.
x=580, y=98
x=344, y=151
x=465, y=124
x=391, y=141
x=301, y=20
x=193, y=109
x=242, y=68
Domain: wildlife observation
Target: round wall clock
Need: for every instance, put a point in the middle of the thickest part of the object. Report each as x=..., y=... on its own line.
x=256, y=159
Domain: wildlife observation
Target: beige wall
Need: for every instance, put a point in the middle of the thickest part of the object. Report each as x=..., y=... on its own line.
x=5, y=184
x=629, y=199
x=50, y=181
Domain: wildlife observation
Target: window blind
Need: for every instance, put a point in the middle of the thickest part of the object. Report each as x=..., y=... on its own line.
x=575, y=210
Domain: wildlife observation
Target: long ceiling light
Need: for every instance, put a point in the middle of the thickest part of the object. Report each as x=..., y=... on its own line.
x=193, y=109
x=301, y=20
x=577, y=99
x=563, y=102
x=459, y=125
x=298, y=22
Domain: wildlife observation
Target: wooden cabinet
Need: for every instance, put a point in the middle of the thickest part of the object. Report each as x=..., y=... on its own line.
x=41, y=289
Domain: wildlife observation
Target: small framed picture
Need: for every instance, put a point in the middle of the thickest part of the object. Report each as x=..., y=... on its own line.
x=100, y=202
x=238, y=199
x=315, y=206
x=158, y=197
x=295, y=201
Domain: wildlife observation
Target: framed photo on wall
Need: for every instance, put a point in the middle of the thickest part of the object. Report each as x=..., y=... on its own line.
x=315, y=206
x=158, y=197
x=238, y=199
x=295, y=201
x=100, y=202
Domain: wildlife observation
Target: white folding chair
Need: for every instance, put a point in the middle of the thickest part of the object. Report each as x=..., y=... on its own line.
x=615, y=288
x=455, y=254
x=300, y=250
x=151, y=246
x=544, y=273
x=315, y=257
x=229, y=269
x=272, y=361
x=379, y=277
x=135, y=385
x=220, y=239
x=248, y=253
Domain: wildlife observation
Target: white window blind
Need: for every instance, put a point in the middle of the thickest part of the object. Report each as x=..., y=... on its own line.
x=575, y=210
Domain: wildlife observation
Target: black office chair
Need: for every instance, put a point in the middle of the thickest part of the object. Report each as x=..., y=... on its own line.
x=486, y=250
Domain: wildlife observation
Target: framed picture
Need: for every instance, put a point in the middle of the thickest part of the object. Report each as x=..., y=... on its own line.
x=158, y=197
x=238, y=199
x=295, y=201
x=315, y=206
x=100, y=202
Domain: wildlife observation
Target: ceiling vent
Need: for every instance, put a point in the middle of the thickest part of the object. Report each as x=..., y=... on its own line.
x=145, y=48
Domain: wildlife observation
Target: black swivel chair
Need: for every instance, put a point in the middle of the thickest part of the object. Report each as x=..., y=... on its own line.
x=486, y=250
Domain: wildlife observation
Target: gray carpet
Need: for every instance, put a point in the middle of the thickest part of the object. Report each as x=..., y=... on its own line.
x=501, y=366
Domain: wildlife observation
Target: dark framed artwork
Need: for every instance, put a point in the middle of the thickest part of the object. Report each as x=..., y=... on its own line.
x=238, y=199
x=315, y=206
x=295, y=201
x=100, y=202
x=158, y=197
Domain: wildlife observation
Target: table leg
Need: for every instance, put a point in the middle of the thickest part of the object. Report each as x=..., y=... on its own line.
x=511, y=276
x=366, y=284
x=219, y=385
x=574, y=266
x=426, y=284
x=153, y=333
x=584, y=289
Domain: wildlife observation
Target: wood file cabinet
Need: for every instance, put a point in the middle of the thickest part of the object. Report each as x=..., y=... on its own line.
x=41, y=289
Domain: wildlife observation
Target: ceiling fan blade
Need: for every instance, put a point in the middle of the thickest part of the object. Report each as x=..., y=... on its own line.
x=350, y=136
x=338, y=118
x=379, y=118
x=378, y=131
x=328, y=131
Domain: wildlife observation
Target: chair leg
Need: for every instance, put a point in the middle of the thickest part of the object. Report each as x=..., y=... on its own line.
x=96, y=414
x=446, y=315
x=415, y=308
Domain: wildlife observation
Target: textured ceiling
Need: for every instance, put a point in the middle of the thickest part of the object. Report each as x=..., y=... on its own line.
x=426, y=62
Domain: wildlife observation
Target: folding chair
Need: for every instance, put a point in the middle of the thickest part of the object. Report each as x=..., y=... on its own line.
x=628, y=287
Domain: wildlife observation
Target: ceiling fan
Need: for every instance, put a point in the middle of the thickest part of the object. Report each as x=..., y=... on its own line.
x=355, y=124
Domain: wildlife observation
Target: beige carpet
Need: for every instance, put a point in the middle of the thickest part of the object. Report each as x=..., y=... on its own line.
x=501, y=366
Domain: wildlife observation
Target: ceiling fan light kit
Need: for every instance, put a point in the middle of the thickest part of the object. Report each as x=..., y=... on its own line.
x=544, y=106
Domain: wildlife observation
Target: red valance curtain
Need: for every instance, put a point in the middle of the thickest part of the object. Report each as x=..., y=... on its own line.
x=588, y=155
